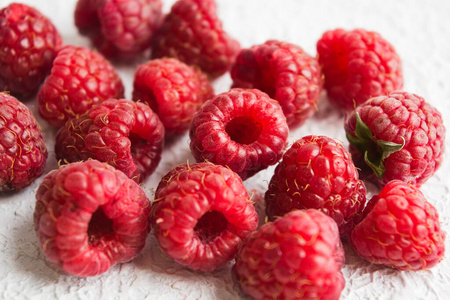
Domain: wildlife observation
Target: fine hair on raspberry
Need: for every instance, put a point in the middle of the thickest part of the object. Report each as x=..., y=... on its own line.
x=401, y=229
x=286, y=73
x=317, y=172
x=298, y=256
x=242, y=129
x=80, y=78
x=90, y=216
x=23, y=153
x=125, y=134
x=200, y=214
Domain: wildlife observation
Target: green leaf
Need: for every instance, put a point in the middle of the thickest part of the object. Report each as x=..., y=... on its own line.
x=387, y=148
x=378, y=168
x=362, y=131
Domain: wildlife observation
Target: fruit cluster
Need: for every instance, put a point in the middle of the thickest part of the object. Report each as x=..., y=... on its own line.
x=91, y=212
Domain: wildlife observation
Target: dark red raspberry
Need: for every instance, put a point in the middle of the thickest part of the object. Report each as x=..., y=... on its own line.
x=200, y=214
x=299, y=256
x=125, y=134
x=23, y=153
x=286, y=73
x=80, y=78
x=401, y=230
x=193, y=33
x=358, y=64
x=317, y=172
x=89, y=216
x=244, y=130
x=119, y=28
x=28, y=45
x=397, y=136
x=173, y=90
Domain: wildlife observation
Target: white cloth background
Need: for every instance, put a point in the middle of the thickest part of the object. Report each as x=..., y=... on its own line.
x=420, y=32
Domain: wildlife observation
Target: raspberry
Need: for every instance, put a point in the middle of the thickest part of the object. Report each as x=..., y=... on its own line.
x=28, y=45
x=125, y=134
x=397, y=136
x=89, y=216
x=285, y=72
x=244, y=130
x=357, y=65
x=119, y=28
x=200, y=214
x=193, y=33
x=401, y=229
x=23, y=153
x=173, y=90
x=80, y=78
x=317, y=172
x=299, y=256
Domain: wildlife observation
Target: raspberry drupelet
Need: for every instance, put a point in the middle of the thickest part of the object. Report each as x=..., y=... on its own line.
x=193, y=33
x=400, y=229
x=298, y=256
x=396, y=136
x=173, y=90
x=119, y=29
x=357, y=64
x=28, y=44
x=317, y=172
x=90, y=216
x=244, y=130
x=23, y=153
x=286, y=73
x=125, y=134
x=80, y=78
x=200, y=214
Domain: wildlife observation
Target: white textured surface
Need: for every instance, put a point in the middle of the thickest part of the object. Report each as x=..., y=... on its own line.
x=419, y=30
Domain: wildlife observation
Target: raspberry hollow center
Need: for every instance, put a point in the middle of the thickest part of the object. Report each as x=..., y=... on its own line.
x=99, y=227
x=243, y=130
x=210, y=225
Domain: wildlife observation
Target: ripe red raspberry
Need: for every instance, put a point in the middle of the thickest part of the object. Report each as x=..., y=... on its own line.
x=89, y=216
x=23, y=153
x=173, y=90
x=80, y=78
x=299, y=256
x=119, y=28
x=244, y=130
x=285, y=72
x=193, y=33
x=28, y=45
x=200, y=214
x=401, y=229
x=317, y=172
x=357, y=65
x=125, y=134
x=399, y=136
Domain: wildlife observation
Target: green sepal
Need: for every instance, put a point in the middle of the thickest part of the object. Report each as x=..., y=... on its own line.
x=378, y=168
x=387, y=148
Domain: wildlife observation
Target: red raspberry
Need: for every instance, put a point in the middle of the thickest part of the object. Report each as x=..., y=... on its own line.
x=401, y=230
x=399, y=136
x=299, y=256
x=286, y=73
x=200, y=214
x=193, y=33
x=244, y=130
x=125, y=134
x=23, y=153
x=28, y=45
x=80, y=78
x=357, y=65
x=89, y=216
x=119, y=28
x=173, y=90
x=317, y=172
